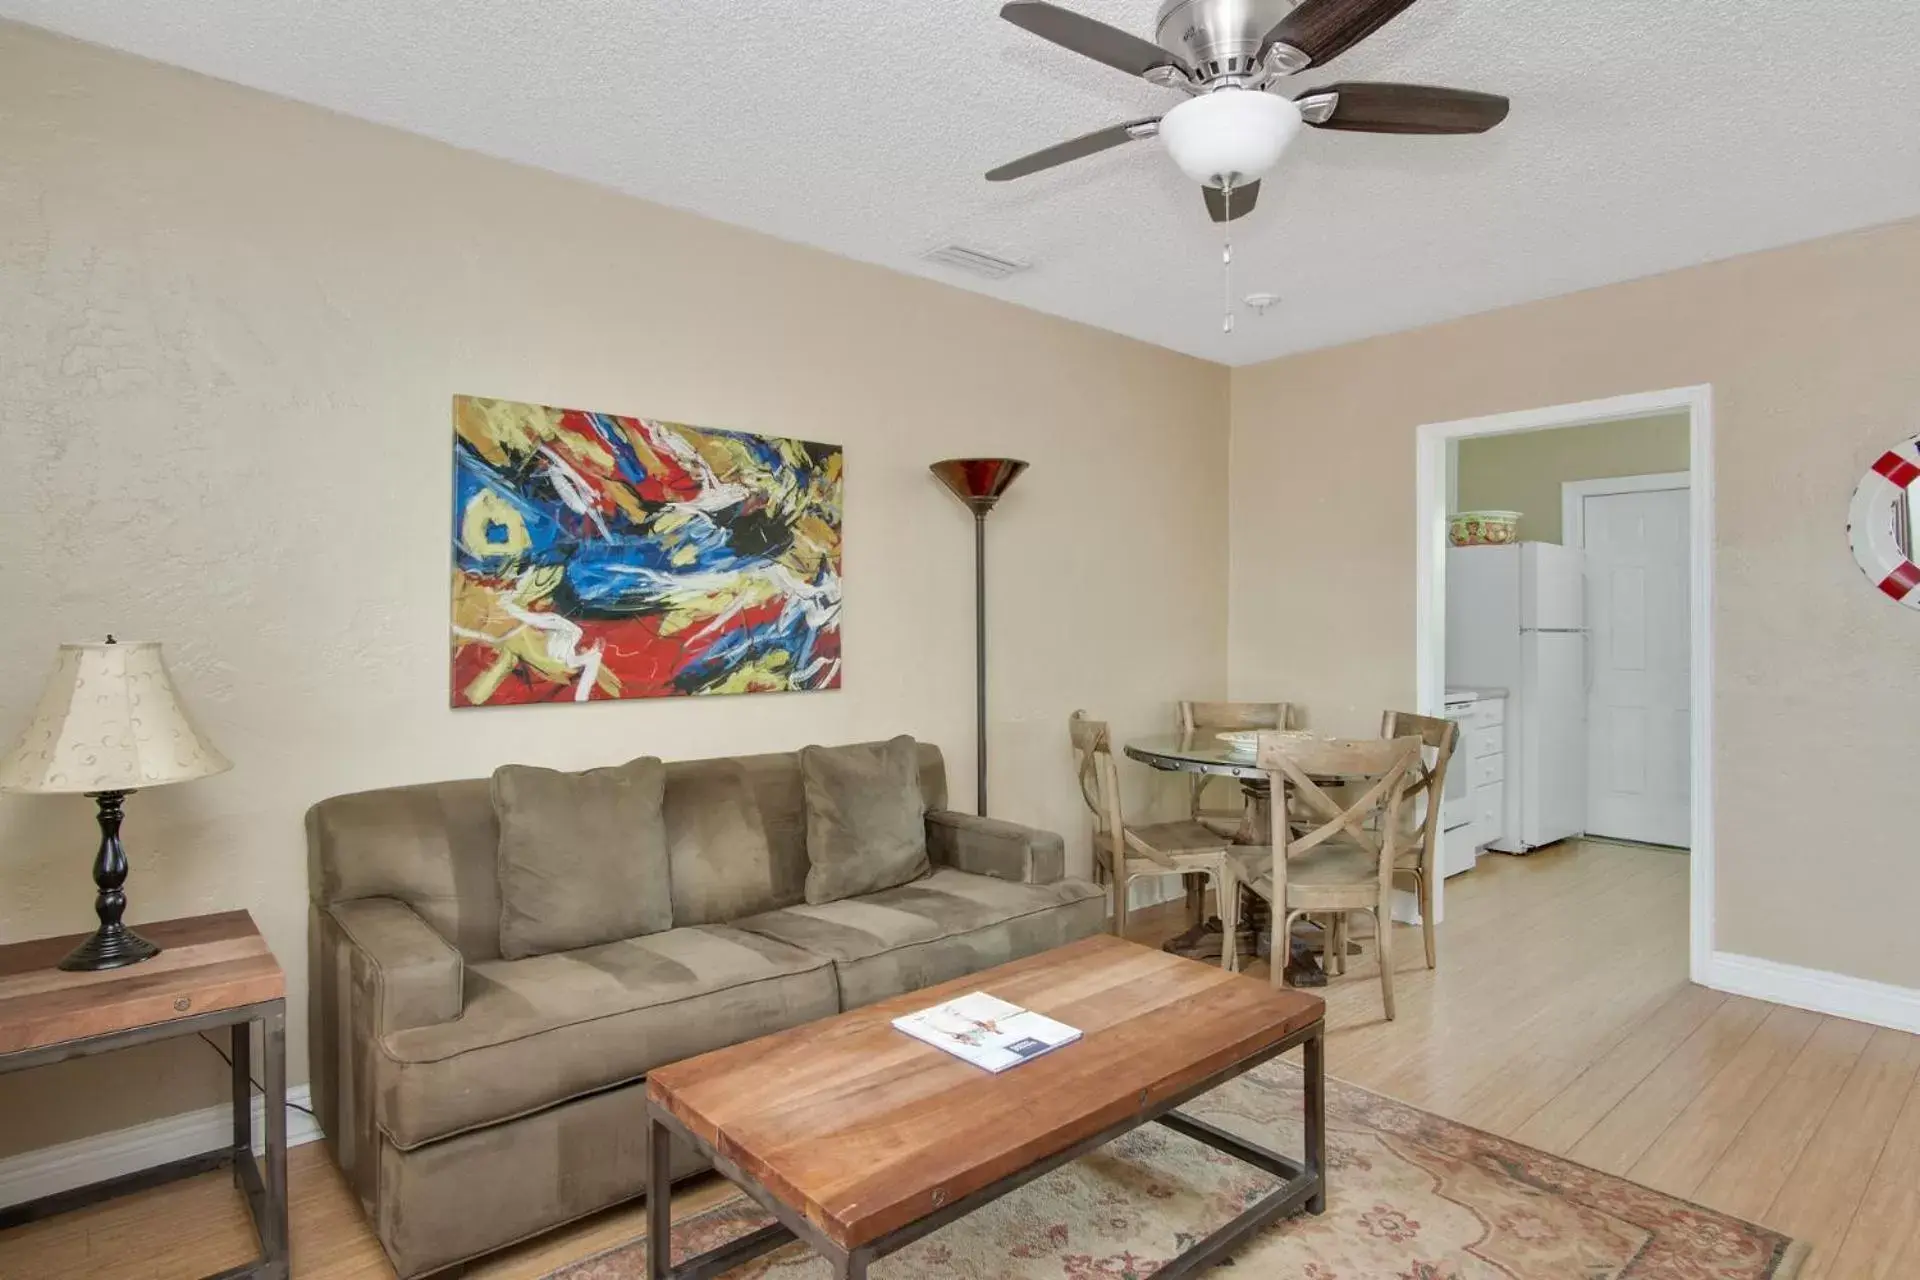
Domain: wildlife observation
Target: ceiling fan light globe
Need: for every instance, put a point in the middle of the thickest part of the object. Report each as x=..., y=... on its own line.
x=1230, y=135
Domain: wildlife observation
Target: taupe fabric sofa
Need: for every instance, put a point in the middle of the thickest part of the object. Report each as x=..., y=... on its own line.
x=473, y=1101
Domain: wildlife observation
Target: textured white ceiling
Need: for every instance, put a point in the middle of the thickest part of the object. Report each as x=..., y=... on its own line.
x=1645, y=135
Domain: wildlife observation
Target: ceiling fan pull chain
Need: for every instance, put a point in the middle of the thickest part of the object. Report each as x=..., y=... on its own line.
x=1226, y=259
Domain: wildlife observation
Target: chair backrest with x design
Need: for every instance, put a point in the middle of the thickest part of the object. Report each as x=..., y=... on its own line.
x=1195, y=716
x=1099, y=779
x=1198, y=718
x=1303, y=767
x=1429, y=777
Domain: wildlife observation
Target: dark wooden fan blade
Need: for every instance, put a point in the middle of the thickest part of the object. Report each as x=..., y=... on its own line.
x=1088, y=38
x=1243, y=198
x=1403, y=108
x=1325, y=29
x=1072, y=149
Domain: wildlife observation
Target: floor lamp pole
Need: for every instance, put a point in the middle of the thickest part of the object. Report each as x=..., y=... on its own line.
x=980, y=657
x=979, y=482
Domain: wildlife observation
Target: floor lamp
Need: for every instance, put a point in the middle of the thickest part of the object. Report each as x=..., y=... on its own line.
x=979, y=482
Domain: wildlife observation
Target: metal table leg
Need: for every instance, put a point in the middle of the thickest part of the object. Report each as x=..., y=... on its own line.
x=274, y=1242
x=1314, y=1071
x=659, y=1202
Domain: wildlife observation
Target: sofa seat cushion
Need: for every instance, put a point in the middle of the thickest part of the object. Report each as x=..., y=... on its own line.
x=540, y=1031
x=943, y=926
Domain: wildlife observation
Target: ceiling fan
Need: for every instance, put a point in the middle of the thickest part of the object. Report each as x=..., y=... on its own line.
x=1229, y=56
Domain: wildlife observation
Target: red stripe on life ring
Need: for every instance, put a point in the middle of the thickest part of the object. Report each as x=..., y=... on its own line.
x=1897, y=469
x=1902, y=580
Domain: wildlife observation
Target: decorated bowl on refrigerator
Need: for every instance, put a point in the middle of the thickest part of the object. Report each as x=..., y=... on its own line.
x=1483, y=528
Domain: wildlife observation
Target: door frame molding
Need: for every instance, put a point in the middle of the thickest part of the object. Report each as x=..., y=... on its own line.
x=1432, y=442
x=1573, y=520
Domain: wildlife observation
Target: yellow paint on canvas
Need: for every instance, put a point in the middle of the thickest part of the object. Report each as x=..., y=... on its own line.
x=498, y=429
x=486, y=511
x=764, y=675
x=690, y=608
x=481, y=616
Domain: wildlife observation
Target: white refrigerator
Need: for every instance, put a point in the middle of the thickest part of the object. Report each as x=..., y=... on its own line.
x=1516, y=620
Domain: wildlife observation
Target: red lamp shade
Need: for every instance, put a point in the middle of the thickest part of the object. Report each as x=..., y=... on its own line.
x=978, y=482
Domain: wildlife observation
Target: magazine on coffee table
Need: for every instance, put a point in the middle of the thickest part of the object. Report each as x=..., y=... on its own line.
x=987, y=1032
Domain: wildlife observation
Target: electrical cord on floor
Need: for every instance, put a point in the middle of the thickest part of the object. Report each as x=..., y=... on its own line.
x=228, y=1059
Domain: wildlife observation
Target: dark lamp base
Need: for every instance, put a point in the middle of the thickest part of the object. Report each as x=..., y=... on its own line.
x=113, y=945
x=104, y=950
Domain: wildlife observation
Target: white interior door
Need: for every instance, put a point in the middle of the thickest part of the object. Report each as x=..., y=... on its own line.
x=1639, y=697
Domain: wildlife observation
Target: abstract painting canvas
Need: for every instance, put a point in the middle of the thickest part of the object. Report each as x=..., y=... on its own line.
x=598, y=556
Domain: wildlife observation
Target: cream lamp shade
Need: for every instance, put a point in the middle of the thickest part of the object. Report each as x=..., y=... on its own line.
x=109, y=720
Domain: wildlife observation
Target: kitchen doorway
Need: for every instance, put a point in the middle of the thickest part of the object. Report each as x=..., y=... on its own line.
x=1436, y=448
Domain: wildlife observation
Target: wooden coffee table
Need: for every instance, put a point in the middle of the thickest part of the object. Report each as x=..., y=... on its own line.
x=860, y=1140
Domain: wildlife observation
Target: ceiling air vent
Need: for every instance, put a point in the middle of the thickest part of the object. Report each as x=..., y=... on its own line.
x=975, y=261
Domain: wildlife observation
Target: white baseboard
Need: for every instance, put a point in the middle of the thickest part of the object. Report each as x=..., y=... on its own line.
x=33, y=1174
x=1857, y=999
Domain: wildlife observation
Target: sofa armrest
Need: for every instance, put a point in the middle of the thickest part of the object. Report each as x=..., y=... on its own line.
x=406, y=973
x=991, y=847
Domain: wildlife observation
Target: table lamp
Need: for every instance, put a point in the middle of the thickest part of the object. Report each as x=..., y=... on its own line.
x=979, y=482
x=108, y=724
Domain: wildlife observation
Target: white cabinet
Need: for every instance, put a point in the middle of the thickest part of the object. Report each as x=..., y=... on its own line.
x=1488, y=766
x=1476, y=806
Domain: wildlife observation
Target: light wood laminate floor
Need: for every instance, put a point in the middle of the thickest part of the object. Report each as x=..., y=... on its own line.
x=1560, y=1016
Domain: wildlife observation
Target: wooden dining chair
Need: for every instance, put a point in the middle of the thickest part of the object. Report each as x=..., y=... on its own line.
x=1197, y=718
x=1419, y=856
x=1123, y=853
x=1346, y=863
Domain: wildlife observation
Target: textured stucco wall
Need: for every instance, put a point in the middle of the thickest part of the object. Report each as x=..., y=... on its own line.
x=230, y=330
x=1811, y=355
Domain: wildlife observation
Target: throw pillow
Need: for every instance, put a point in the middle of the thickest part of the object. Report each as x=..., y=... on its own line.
x=866, y=820
x=717, y=844
x=583, y=856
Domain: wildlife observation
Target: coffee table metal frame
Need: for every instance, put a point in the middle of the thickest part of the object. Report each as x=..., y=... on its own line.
x=1303, y=1184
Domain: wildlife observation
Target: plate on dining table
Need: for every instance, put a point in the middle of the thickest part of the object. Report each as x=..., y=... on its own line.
x=1244, y=742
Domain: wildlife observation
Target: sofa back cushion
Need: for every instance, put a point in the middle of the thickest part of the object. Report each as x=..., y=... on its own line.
x=583, y=856
x=435, y=845
x=866, y=818
x=723, y=866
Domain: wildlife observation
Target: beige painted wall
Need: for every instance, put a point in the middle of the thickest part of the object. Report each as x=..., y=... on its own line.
x=1811, y=353
x=230, y=328
x=1523, y=472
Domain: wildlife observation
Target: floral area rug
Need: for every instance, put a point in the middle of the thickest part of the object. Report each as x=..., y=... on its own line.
x=1411, y=1196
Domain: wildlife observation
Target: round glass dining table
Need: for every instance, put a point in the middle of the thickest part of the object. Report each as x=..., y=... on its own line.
x=1203, y=752
x=1199, y=752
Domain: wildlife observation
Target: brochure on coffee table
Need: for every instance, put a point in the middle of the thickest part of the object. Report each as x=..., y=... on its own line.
x=987, y=1032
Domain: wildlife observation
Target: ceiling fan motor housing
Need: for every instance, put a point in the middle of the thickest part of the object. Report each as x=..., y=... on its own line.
x=1219, y=39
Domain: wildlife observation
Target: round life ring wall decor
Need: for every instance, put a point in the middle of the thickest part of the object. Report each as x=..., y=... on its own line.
x=1884, y=521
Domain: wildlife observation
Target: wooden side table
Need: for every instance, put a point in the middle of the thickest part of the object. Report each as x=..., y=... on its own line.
x=212, y=971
